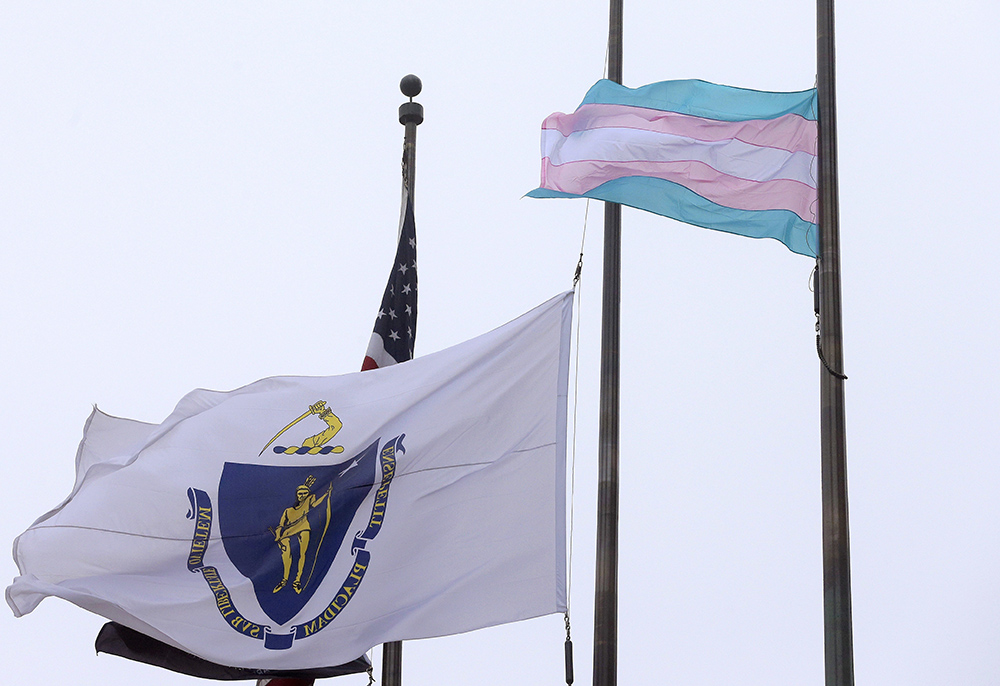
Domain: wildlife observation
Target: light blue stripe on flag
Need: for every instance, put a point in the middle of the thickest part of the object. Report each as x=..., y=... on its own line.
x=672, y=200
x=703, y=99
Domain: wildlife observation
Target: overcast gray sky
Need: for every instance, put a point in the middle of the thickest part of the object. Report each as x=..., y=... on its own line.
x=201, y=195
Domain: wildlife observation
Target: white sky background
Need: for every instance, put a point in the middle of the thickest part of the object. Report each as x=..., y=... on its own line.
x=201, y=195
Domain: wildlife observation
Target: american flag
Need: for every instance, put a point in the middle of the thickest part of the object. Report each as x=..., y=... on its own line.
x=396, y=322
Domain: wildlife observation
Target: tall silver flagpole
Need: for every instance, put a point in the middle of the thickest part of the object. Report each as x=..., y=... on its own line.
x=411, y=114
x=606, y=583
x=839, y=642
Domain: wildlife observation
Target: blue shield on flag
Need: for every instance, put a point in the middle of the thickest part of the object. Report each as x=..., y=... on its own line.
x=283, y=526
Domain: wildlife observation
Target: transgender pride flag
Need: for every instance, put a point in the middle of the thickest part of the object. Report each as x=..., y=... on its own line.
x=724, y=158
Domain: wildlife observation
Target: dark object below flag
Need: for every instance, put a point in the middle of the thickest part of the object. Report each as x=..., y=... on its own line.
x=118, y=639
x=396, y=322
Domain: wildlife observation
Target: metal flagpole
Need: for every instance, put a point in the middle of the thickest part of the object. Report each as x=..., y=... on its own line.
x=839, y=647
x=411, y=114
x=606, y=583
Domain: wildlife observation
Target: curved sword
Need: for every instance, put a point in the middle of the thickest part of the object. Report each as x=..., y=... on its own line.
x=306, y=414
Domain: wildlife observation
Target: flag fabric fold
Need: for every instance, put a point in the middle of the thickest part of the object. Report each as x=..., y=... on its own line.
x=731, y=159
x=408, y=502
x=396, y=323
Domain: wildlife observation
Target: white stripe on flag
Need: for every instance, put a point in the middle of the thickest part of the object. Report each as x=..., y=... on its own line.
x=728, y=156
x=376, y=351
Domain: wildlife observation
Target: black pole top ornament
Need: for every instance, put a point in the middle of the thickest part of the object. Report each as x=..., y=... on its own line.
x=411, y=86
x=411, y=112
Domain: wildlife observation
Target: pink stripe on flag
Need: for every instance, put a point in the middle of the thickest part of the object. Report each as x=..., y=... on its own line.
x=789, y=132
x=729, y=191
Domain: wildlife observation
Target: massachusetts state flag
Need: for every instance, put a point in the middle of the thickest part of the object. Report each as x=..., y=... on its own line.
x=296, y=522
x=396, y=321
x=731, y=159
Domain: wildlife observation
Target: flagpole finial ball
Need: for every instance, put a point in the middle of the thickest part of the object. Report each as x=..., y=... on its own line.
x=410, y=85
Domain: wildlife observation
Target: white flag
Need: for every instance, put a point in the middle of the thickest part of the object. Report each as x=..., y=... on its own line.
x=298, y=521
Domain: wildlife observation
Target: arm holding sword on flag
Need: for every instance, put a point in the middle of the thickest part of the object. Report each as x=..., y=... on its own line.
x=333, y=423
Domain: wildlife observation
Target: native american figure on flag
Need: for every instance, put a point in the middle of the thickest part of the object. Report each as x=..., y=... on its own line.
x=295, y=523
